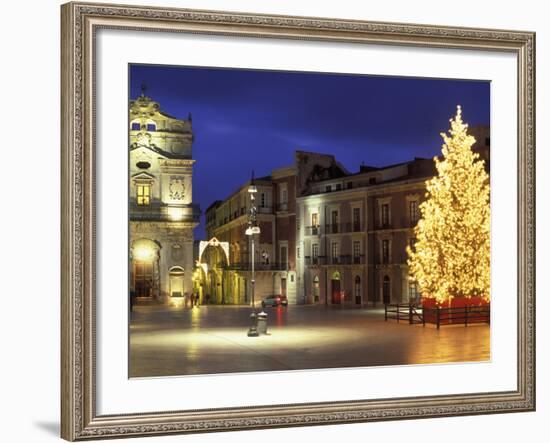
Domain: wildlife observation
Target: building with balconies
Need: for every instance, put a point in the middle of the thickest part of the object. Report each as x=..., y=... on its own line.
x=328, y=236
x=228, y=282
x=353, y=230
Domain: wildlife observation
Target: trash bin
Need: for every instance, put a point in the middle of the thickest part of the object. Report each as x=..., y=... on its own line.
x=262, y=323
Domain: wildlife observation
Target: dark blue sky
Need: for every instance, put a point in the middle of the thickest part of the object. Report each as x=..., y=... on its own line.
x=248, y=119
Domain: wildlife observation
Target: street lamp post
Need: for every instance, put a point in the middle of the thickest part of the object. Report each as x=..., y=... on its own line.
x=251, y=230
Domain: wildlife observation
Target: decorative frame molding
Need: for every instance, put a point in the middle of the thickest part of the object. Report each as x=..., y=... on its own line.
x=80, y=21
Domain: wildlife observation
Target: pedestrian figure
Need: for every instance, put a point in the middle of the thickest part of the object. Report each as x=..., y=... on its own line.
x=192, y=299
x=197, y=300
x=186, y=299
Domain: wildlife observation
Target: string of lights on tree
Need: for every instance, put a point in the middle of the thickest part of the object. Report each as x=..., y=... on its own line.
x=451, y=256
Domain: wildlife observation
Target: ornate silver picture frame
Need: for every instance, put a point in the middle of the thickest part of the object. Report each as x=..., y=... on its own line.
x=80, y=24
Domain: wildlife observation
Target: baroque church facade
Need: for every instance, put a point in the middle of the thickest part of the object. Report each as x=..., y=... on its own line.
x=161, y=208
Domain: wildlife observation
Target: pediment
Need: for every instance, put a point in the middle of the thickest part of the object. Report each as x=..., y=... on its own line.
x=143, y=176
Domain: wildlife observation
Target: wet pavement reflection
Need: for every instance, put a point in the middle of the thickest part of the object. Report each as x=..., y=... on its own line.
x=171, y=340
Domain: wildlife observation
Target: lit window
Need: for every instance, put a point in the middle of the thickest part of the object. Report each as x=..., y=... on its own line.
x=143, y=194
x=314, y=219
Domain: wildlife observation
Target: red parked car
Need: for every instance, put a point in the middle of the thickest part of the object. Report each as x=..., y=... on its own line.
x=275, y=300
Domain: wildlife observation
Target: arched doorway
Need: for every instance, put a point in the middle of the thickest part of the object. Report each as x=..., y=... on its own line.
x=357, y=290
x=144, y=268
x=214, y=259
x=336, y=294
x=386, y=290
x=316, y=289
x=175, y=275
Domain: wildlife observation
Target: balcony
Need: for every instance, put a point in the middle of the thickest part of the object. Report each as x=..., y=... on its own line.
x=313, y=230
x=315, y=261
x=352, y=259
x=159, y=212
x=342, y=228
x=258, y=266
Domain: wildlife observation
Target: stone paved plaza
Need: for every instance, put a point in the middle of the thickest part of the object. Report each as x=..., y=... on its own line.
x=171, y=340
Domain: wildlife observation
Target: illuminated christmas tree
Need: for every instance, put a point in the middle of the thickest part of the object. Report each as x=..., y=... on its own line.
x=451, y=257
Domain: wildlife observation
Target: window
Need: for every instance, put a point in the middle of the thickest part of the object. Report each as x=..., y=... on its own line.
x=314, y=223
x=356, y=252
x=284, y=195
x=385, y=208
x=143, y=194
x=151, y=127
x=385, y=251
x=334, y=252
x=314, y=219
x=328, y=188
x=414, y=214
x=284, y=257
x=334, y=221
x=136, y=126
x=298, y=252
x=314, y=253
x=263, y=200
x=338, y=186
x=356, y=219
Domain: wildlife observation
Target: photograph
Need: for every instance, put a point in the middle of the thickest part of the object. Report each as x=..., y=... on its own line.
x=289, y=220
x=274, y=220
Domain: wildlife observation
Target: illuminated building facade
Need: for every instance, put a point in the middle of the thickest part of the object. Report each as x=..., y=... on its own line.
x=328, y=236
x=162, y=213
x=229, y=283
x=355, y=229
x=355, y=233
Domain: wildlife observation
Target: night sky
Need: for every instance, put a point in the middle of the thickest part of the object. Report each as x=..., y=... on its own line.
x=248, y=119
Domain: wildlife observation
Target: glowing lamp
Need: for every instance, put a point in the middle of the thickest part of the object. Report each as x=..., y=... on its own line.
x=175, y=214
x=143, y=253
